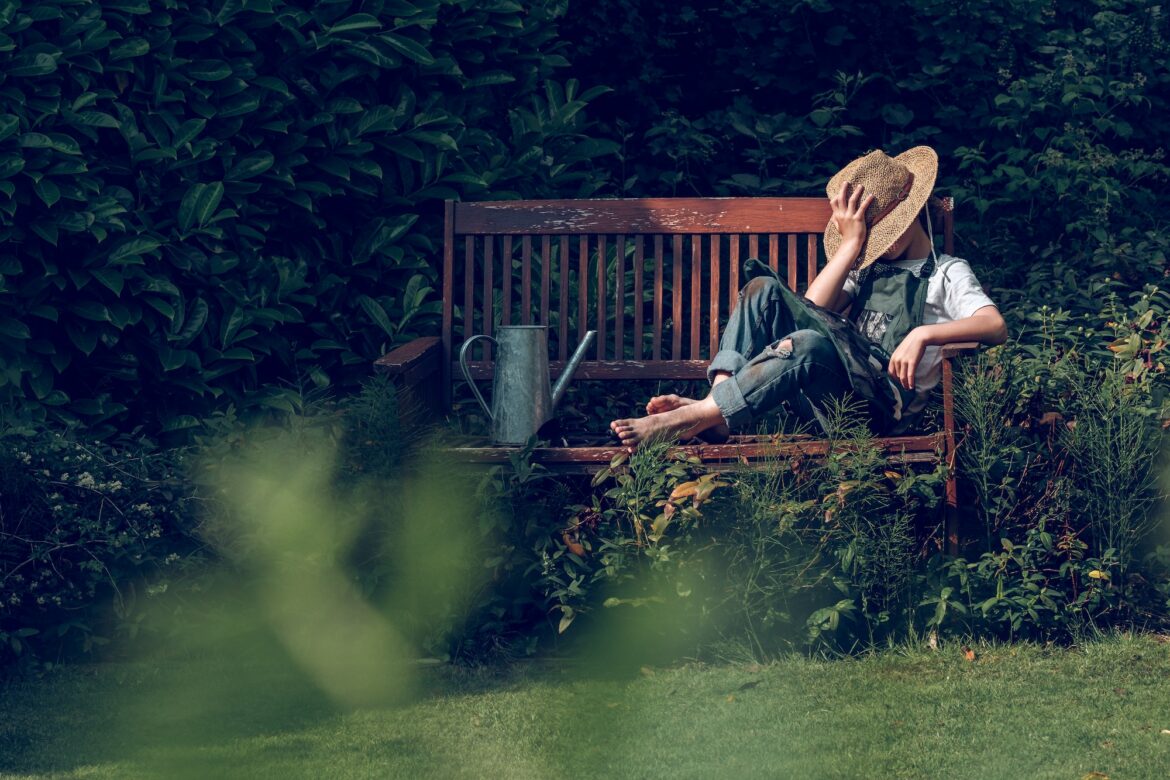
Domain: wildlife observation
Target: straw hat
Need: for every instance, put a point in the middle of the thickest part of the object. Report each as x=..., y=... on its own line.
x=900, y=185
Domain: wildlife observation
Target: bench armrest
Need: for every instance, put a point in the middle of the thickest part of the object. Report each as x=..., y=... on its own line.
x=959, y=348
x=413, y=361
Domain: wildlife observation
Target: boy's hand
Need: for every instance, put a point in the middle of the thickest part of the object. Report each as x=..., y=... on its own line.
x=849, y=213
x=904, y=361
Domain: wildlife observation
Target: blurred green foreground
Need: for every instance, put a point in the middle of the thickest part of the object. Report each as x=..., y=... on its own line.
x=1017, y=711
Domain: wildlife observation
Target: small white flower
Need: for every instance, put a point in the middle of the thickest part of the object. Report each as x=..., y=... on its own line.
x=86, y=480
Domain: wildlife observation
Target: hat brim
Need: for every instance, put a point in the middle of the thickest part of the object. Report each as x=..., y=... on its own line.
x=922, y=161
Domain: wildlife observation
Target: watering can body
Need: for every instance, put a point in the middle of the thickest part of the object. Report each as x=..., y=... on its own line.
x=522, y=396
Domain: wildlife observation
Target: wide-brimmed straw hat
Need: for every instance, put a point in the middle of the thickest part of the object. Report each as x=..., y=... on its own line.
x=900, y=185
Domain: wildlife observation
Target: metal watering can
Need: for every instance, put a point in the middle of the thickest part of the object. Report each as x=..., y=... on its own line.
x=522, y=400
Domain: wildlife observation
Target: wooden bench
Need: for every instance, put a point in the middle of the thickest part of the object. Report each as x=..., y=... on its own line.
x=657, y=279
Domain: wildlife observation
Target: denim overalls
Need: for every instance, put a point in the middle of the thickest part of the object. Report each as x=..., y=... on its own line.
x=829, y=356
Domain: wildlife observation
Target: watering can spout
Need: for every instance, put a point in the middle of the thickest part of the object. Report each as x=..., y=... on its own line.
x=571, y=367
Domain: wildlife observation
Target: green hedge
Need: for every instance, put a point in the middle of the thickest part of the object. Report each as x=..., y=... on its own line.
x=1050, y=118
x=238, y=201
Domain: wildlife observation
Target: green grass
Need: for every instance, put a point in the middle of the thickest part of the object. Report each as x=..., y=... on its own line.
x=1014, y=712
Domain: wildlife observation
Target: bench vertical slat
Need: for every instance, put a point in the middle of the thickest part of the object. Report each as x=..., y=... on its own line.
x=619, y=300
x=696, y=293
x=676, y=293
x=753, y=246
x=602, y=267
x=948, y=209
x=774, y=252
x=639, y=263
x=812, y=258
x=468, y=287
x=792, y=263
x=733, y=280
x=545, y=277
x=506, y=280
x=526, y=280
x=582, y=286
x=563, y=302
x=489, y=295
x=659, y=302
x=714, y=297
x=448, y=297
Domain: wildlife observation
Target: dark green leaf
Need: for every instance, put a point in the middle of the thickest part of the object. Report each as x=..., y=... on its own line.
x=376, y=313
x=355, y=22
x=199, y=204
x=408, y=48
x=135, y=246
x=209, y=70
x=251, y=165
x=47, y=191
x=14, y=329
x=94, y=119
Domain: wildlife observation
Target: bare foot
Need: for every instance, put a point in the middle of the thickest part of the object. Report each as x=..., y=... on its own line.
x=682, y=422
x=666, y=403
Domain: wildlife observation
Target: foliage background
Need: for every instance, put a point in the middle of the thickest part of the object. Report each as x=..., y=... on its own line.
x=215, y=211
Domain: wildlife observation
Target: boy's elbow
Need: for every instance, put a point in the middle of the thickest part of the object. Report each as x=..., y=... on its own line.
x=999, y=331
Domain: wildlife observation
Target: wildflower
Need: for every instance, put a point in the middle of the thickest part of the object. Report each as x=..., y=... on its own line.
x=85, y=480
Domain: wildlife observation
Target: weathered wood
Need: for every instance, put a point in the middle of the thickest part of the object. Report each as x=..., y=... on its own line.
x=468, y=286
x=639, y=268
x=656, y=352
x=948, y=209
x=676, y=297
x=506, y=279
x=619, y=299
x=813, y=242
x=906, y=447
x=545, y=277
x=613, y=369
x=733, y=275
x=713, y=296
x=414, y=361
x=792, y=263
x=602, y=268
x=582, y=287
x=696, y=294
x=526, y=280
x=643, y=215
x=563, y=302
x=489, y=295
x=774, y=252
x=952, y=488
x=958, y=348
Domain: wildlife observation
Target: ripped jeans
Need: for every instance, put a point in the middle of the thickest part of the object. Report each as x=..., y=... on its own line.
x=771, y=361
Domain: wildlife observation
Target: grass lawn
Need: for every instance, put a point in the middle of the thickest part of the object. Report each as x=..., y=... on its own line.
x=1013, y=712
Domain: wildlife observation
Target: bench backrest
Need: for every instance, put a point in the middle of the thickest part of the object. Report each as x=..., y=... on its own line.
x=655, y=277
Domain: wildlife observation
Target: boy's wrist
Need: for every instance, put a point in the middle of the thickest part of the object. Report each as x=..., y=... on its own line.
x=848, y=250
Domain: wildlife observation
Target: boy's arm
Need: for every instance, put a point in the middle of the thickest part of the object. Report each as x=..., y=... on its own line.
x=985, y=325
x=827, y=290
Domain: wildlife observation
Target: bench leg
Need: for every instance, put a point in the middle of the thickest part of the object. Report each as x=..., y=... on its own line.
x=951, y=511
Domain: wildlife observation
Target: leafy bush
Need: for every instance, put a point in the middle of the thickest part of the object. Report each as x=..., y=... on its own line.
x=209, y=203
x=89, y=533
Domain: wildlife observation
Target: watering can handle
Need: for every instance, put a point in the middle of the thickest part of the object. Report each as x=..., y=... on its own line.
x=467, y=372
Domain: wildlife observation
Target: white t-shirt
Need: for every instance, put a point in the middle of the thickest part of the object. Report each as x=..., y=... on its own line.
x=953, y=293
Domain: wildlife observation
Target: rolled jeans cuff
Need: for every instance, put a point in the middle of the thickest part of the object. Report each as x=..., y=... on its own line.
x=732, y=405
x=725, y=360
